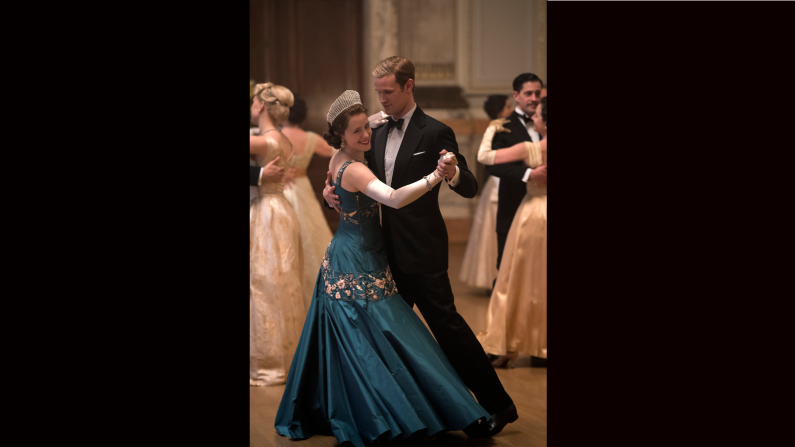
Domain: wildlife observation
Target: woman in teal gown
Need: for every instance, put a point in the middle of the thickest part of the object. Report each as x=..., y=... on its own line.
x=366, y=368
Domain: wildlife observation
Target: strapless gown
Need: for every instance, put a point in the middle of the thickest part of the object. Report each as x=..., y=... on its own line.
x=315, y=232
x=367, y=370
x=275, y=269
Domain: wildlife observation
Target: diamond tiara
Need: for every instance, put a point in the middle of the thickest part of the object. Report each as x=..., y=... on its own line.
x=347, y=99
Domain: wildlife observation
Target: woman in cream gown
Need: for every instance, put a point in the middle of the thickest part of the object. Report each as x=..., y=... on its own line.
x=277, y=309
x=315, y=232
x=517, y=315
x=479, y=266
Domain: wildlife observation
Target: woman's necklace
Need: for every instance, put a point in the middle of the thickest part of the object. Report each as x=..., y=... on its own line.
x=267, y=131
x=349, y=155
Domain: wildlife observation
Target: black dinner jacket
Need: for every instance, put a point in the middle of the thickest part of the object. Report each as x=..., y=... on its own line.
x=417, y=230
x=254, y=174
x=512, y=188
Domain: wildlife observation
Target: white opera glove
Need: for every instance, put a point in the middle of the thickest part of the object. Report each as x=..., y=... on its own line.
x=398, y=198
x=378, y=119
x=485, y=154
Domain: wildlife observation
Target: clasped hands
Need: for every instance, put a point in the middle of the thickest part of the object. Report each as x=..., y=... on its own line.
x=446, y=165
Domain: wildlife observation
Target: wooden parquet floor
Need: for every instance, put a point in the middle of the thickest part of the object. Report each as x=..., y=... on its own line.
x=527, y=387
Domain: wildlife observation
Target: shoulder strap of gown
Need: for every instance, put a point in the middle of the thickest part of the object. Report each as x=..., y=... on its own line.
x=342, y=168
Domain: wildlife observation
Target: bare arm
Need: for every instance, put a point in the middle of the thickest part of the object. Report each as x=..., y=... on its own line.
x=517, y=152
x=257, y=145
x=323, y=149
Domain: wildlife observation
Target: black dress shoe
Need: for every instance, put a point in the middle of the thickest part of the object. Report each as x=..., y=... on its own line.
x=497, y=422
x=474, y=429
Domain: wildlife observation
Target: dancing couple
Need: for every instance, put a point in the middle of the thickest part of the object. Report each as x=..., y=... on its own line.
x=366, y=369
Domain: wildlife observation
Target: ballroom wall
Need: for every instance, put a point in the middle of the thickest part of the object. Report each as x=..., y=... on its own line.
x=463, y=50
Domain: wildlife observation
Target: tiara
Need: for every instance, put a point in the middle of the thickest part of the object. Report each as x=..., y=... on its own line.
x=347, y=99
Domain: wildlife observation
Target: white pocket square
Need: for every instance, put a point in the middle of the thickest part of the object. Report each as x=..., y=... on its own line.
x=418, y=153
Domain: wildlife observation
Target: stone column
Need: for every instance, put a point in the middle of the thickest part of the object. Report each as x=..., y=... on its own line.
x=380, y=36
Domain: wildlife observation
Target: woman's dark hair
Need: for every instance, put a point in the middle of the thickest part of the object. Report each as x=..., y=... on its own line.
x=544, y=108
x=494, y=104
x=297, y=112
x=340, y=124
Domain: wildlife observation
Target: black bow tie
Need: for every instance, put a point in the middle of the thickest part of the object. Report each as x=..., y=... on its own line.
x=522, y=116
x=393, y=123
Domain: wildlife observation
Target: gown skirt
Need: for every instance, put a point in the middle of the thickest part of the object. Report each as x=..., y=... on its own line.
x=276, y=307
x=517, y=315
x=367, y=370
x=479, y=266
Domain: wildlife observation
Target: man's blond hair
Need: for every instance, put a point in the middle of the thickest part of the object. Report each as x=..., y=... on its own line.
x=399, y=66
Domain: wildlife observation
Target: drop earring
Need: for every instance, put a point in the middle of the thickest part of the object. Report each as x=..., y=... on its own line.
x=342, y=144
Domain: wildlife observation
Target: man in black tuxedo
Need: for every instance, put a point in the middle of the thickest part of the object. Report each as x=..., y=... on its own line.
x=405, y=149
x=513, y=176
x=269, y=172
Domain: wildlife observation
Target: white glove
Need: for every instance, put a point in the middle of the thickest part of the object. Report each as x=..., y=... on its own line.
x=378, y=120
x=399, y=198
x=485, y=154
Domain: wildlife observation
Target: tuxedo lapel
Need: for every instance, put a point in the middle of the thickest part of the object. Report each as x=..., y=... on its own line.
x=380, y=150
x=519, y=128
x=408, y=146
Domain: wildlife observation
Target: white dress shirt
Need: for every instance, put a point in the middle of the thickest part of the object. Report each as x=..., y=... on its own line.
x=534, y=136
x=393, y=141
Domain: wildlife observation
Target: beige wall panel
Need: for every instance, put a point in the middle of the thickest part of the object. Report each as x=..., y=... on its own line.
x=505, y=41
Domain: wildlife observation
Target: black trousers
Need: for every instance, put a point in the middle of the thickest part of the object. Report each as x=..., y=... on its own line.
x=432, y=294
x=501, y=238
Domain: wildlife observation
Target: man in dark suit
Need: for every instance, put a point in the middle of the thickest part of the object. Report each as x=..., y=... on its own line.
x=405, y=149
x=513, y=176
x=269, y=172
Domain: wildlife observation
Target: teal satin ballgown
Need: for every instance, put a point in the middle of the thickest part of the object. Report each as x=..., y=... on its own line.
x=366, y=369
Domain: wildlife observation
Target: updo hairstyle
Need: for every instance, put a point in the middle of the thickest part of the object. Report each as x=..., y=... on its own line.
x=297, y=111
x=277, y=99
x=494, y=104
x=340, y=124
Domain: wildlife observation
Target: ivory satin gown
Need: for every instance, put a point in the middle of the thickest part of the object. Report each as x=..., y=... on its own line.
x=315, y=232
x=517, y=315
x=479, y=267
x=276, y=301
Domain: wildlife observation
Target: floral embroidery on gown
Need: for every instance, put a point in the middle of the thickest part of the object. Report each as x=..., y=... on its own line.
x=275, y=266
x=315, y=232
x=367, y=370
